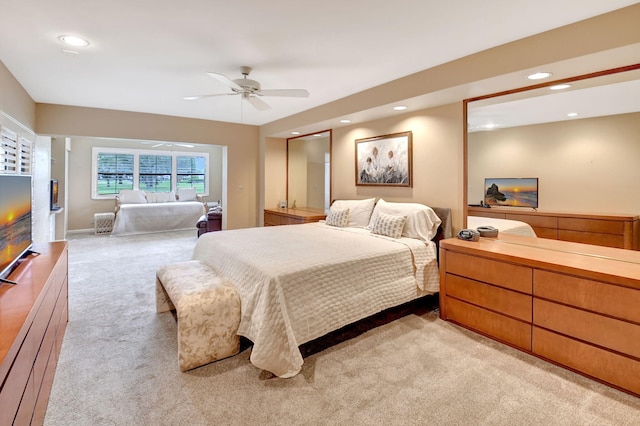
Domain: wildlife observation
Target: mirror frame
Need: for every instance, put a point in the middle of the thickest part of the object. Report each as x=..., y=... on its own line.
x=465, y=118
x=330, y=131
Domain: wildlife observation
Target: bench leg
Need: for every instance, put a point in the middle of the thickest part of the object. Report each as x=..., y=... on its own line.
x=163, y=302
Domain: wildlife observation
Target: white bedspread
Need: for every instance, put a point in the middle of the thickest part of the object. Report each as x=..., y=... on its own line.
x=156, y=217
x=299, y=282
x=505, y=226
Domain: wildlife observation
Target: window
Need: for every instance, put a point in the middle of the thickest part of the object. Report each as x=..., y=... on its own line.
x=151, y=171
x=192, y=172
x=155, y=173
x=115, y=172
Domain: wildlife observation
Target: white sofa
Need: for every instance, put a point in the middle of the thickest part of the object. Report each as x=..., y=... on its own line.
x=139, y=212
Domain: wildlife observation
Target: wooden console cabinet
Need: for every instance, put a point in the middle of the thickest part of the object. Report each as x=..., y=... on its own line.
x=573, y=304
x=33, y=319
x=275, y=217
x=619, y=231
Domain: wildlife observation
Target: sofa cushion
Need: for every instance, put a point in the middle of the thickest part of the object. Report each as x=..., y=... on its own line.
x=161, y=197
x=187, y=194
x=132, y=196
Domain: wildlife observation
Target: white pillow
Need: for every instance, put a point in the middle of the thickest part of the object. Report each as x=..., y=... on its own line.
x=132, y=196
x=187, y=194
x=339, y=218
x=359, y=210
x=165, y=197
x=422, y=222
x=151, y=197
x=389, y=225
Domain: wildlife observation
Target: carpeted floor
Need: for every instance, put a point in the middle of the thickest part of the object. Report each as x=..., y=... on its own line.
x=118, y=365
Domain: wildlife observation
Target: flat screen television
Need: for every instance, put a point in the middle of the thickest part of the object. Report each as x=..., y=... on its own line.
x=513, y=192
x=15, y=221
x=53, y=202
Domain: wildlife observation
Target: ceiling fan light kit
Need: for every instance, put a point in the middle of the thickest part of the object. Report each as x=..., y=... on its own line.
x=250, y=89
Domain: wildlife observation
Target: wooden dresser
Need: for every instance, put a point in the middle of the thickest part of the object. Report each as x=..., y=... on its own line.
x=620, y=231
x=573, y=304
x=274, y=217
x=33, y=319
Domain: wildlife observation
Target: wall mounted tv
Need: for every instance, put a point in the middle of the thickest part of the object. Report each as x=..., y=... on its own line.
x=513, y=192
x=15, y=221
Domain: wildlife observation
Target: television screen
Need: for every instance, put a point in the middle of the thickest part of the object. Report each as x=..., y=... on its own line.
x=515, y=192
x=15, y=220
x=53, y=204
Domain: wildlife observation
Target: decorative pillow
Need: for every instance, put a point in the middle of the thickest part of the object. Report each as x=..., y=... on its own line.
x=359, y=210
x=422, y=222
x=338, y=217
x=132, y=196
x=187, y=194
x=389, y=225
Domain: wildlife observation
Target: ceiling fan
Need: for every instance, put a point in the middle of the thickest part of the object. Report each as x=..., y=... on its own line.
x=250, y=89
x=157, y=144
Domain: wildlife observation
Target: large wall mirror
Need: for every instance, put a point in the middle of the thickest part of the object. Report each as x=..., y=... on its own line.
x=581, y=140
x=309, y=170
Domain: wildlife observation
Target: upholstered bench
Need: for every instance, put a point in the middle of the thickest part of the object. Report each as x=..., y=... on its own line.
x=208, y=311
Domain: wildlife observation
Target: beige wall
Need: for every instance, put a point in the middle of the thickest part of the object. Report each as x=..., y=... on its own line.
x=585, y=166
x=241, y=141
x=437, y=159
x=566, y=46
x=15, y=101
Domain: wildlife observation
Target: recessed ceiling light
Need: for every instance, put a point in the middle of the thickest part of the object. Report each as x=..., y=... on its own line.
x=539, y=75
x=560, y=87
x=572, y=114
x=73, y=41
x=295, y=133
x=399, y=108
x=345, y=121
x=190, y=98
x=318, y=135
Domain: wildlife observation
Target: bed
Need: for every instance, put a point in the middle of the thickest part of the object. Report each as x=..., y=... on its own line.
x=138, y=212
x=299, y=282
x=505, y=226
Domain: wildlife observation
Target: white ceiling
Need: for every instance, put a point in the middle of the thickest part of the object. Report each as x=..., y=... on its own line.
x=147, y=55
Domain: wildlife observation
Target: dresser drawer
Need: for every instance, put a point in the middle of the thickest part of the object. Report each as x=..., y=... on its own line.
x=607, y=366
x=608, y=299
x=507, y=302
x=502, y=274
x=549, y=233
x=287, y=220
x=271, y=219
x=498, y=326
x=596, y=238
x=533, y=220
x=611, y=333
x=591, y=225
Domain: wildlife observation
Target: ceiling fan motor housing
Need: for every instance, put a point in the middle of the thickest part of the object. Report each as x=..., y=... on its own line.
x=248, y=84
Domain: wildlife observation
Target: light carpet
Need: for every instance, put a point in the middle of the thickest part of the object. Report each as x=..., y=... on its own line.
x=118, y=365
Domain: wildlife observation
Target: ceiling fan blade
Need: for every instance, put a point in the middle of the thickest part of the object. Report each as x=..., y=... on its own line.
x=193, y=98
x=293, y=93
x=225, y=80
x=258, y=103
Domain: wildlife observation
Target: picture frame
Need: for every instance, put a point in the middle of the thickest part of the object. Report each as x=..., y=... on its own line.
x=385, y=160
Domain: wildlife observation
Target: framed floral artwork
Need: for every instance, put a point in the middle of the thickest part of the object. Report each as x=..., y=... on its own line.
x=384, y=160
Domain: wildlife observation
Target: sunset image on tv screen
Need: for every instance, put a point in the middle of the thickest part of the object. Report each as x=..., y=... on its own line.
x=15, y=217
x=515, y=192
